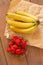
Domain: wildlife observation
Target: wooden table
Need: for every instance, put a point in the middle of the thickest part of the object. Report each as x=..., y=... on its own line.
x=34, y=55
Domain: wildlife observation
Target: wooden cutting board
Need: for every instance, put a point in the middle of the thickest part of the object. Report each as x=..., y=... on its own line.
x=36, y=37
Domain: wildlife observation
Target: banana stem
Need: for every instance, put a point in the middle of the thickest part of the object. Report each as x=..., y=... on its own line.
x=38, y=22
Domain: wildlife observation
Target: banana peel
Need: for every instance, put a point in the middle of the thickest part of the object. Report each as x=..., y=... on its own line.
x=19, y=24
x=24, y=31
x=20, y=18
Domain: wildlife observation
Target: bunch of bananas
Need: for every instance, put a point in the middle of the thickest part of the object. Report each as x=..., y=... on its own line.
x=22, y=22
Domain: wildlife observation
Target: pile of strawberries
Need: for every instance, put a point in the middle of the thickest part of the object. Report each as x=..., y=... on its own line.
x=17, y=46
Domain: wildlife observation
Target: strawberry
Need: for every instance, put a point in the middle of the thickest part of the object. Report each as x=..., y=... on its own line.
x=18, y=41
x=18, y=51
x=23, y=43
x=9, y=49
x=10, y=44
x=15, y=47
x=23, y=51
x=14, y=38
x=12, y=49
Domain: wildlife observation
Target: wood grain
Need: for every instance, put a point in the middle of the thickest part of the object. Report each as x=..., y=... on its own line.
x=2, y=55
x=34, y=55
x=37, y=1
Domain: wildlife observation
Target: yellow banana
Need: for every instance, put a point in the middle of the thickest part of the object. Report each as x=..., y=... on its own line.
x=24, y=31
x=25, y=14
x=28, y=15
x=20, y=24
x=20, y=18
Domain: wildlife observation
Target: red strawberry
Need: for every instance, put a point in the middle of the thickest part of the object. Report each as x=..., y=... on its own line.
x=18, y=51
x=18, y=41
x=15, y=47
x=14, y=38
x=12, y=49
x=23, y=51
x=9, y=49
x=24, y=44
x=10, y=44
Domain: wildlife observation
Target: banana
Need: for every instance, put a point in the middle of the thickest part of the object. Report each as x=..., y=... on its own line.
x=20, y=18
x=28, y=15
x=24, y=31
x=20, y=24
x=25, y=14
